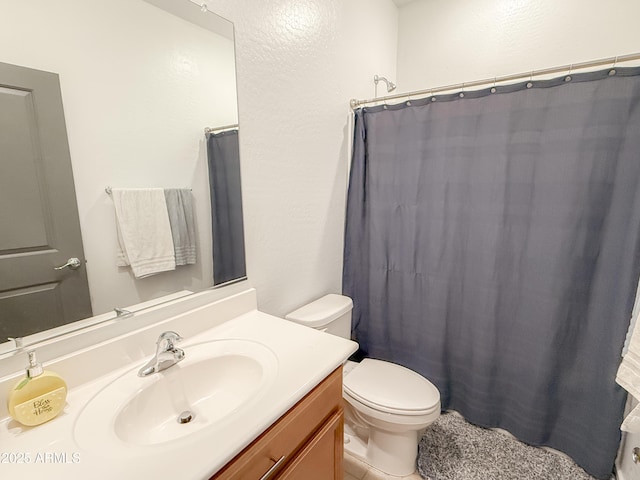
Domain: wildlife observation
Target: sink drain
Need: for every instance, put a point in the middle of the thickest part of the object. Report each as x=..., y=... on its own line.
x=185, y=417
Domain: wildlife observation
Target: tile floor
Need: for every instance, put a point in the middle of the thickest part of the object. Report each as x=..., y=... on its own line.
x=354, y=469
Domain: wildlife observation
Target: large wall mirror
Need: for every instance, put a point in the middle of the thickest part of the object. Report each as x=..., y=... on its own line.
x=139, y=82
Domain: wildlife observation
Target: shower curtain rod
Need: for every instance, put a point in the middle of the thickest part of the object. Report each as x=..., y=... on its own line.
x=613, y=61
x=218, y=129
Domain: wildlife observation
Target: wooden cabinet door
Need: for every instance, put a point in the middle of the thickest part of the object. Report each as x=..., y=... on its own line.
x=321, y=457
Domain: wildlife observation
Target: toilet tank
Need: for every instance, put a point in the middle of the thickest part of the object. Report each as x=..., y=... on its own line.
x=331, y=314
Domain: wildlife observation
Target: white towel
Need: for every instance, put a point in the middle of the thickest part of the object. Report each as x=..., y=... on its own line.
x=628, y=376
x=144, y=232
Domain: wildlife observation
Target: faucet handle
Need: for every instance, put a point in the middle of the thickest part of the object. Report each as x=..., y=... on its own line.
x=166, y=354
x=169, y=337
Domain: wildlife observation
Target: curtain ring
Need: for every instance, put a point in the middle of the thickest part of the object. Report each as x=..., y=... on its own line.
x=493, y=89
x=530, y=83
x=568, y=77
x=613, y=67
x=408, y=102
x=462, y=92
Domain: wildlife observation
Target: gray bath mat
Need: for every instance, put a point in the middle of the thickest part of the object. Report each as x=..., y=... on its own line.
x=453, y=449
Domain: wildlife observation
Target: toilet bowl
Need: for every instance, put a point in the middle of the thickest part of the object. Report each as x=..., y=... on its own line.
x=387, y=406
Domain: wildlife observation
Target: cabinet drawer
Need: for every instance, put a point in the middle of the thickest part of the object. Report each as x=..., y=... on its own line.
x=285, y=437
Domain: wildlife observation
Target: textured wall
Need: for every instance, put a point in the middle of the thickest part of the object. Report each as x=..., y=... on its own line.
x=299, y=62
x=441, y=42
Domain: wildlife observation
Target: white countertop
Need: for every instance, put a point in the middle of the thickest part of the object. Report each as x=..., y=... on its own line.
x=305, y=357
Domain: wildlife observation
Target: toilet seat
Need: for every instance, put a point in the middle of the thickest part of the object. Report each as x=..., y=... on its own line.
x=391, y=388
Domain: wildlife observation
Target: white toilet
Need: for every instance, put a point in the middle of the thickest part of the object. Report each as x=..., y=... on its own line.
x=387, y=406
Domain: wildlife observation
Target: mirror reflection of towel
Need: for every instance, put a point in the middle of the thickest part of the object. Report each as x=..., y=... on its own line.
x=144, y=231
x=180, y=209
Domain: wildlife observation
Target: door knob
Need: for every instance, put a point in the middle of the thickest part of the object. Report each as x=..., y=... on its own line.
x=72, y=263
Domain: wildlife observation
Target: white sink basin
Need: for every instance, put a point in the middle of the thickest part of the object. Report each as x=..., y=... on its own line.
x=216, y=382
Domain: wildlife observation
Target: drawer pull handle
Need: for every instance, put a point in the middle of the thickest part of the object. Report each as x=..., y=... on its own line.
x=273, y=468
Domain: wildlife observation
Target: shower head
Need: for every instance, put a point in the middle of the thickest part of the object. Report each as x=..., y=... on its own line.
x=390, y=85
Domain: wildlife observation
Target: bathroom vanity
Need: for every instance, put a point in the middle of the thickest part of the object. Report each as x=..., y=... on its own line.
x=266, y=398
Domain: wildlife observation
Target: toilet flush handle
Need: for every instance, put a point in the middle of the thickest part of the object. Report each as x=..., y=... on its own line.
x=636, y=455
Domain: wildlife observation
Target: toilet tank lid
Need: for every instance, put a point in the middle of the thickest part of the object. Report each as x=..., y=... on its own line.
x=322, y=311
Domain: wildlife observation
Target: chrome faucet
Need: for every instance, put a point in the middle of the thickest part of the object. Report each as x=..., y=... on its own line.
x=166, y=354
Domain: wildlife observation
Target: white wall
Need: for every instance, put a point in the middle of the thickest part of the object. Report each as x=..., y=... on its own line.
x=299, y=62
x=138, y=85
x=443, y=42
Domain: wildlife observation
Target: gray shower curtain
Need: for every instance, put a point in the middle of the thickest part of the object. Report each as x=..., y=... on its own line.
x=223, y=155
x=493, y=245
